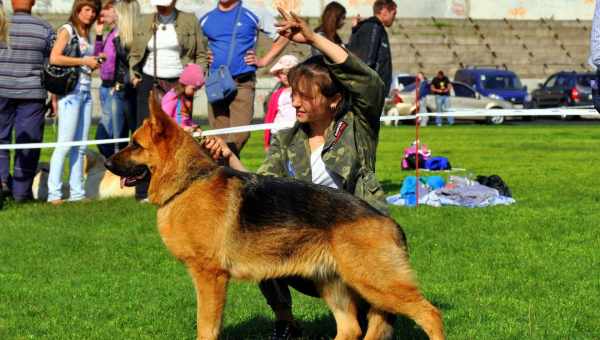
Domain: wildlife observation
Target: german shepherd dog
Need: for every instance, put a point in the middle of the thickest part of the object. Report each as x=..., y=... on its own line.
x=225, y=224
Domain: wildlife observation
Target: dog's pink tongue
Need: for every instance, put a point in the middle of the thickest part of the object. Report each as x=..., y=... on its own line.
x=122, y=182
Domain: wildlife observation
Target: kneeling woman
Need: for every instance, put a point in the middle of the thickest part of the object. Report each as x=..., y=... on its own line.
x=338, y=101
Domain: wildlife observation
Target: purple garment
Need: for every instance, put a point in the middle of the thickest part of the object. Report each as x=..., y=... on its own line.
x=107, y=46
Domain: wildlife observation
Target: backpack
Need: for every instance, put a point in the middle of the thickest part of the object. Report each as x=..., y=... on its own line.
x=409, y=159
x=495, y=182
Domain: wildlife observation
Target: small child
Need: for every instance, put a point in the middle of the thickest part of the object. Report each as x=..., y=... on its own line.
x=280, y=109
x=178, y=103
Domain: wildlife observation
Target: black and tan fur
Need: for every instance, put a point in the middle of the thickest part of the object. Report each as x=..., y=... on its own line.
x=224, y=224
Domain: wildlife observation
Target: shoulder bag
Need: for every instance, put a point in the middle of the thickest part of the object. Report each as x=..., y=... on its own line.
x=220, y=84
x=58, y=79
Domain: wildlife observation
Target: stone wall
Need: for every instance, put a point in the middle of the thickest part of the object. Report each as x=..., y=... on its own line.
x=476, y=9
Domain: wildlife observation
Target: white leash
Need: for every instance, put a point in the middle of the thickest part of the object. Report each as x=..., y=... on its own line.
x=563, y=112
x=236, y=129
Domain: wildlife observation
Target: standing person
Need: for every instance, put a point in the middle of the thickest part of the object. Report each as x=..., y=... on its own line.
x=218, y=26
x=338, y=102
x=128, y=12
x=74, y=108
x=112, y=96
x=179, y=42
x=441, y=87
x=280, y=109
x=332, y=20
x=370, y=42
x=423, y=92
x=595, y=55
x=22, y=96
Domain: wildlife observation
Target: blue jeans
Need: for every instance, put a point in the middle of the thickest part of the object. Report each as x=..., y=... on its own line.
x=441, y=105
x=112, y=120
x=74, y=118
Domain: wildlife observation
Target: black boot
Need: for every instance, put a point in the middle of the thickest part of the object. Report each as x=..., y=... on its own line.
x=285, y=330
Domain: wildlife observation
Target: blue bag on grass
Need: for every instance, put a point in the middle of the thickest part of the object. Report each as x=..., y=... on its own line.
x=438, y=163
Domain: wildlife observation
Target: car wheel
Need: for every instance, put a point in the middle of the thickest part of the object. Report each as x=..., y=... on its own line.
x=495, y=120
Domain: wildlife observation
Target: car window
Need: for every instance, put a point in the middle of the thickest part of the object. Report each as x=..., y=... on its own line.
x=585, y=80
x=406, y=80
x=501, y=82
x=551, y=81
x=562, y=82
x=461, y=90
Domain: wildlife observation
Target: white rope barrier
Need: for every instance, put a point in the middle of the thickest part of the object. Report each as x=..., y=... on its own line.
x=561, y=112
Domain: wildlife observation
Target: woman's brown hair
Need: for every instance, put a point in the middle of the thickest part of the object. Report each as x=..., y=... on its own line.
x=77, y=6
x=330, y=21
x=312, y=79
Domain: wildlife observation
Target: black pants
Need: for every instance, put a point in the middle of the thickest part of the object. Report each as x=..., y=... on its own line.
x=143, y=112
x=277, y=292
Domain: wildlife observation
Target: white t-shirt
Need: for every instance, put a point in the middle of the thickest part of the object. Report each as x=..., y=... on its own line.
x=168, y=50
x=320, y=175
x=286, y=113
x=86, y=48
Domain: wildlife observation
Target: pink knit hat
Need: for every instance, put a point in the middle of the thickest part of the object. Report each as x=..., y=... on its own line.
x=192, y=74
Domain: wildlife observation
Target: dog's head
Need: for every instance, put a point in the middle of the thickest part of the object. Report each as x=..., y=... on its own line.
x=160, y=151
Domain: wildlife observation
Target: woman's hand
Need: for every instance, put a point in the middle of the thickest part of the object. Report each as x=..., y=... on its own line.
x=217, y=148
x=294, y=28
x=250, y=58
x=91, y=62
x=135, y=81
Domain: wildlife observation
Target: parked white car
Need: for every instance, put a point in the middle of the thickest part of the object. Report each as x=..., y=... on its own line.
x=462, y=96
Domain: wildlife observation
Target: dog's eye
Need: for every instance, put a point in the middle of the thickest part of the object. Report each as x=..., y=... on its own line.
x=135, y=145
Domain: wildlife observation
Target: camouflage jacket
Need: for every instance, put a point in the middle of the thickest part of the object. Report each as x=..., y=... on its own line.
x=350, y=141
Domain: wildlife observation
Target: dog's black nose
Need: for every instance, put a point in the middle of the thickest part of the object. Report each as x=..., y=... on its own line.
x=108, y=164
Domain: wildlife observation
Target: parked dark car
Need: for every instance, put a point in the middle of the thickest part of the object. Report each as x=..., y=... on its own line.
x=494, y=83
x=563, y=89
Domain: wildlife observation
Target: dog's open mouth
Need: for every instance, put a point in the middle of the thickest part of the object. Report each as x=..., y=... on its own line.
x=130, y=181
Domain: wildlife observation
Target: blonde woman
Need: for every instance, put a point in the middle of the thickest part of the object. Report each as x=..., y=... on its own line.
x=74, y=108
x=116, y=95
x=128, y=12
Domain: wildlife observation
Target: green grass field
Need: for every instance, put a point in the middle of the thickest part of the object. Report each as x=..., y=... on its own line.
x=99, y=270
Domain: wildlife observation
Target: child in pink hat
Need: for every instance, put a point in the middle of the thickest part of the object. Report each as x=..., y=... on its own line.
x=279, y=108
x=178, y=103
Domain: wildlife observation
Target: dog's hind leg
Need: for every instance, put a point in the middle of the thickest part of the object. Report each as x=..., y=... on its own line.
x=380, y=325
x=375, y=264
x=398, y=296
x=211, y=291
x=343, y=304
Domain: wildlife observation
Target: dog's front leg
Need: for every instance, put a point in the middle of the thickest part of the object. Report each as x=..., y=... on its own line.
x=211, y=290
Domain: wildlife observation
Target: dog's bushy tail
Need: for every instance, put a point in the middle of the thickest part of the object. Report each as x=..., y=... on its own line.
x=372, y=259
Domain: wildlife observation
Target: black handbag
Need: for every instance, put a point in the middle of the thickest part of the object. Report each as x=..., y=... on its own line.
x=61, y=80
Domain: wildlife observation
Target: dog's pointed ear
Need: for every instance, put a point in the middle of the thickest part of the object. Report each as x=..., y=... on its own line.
x=160, y=121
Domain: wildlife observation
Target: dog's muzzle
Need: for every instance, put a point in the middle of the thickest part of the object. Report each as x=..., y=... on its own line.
x=130, y=176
